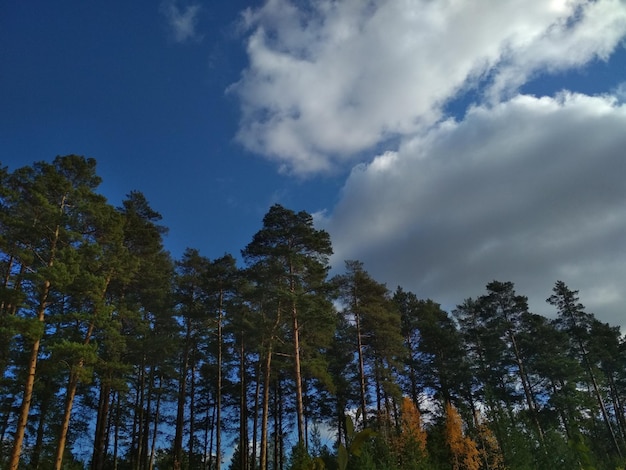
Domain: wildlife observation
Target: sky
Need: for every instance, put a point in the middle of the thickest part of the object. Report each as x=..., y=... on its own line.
x=444, y=144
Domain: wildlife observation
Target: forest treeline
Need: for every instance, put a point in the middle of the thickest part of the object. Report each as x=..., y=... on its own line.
x=116, y=356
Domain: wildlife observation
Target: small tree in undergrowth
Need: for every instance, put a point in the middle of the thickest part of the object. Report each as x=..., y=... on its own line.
x=490, y=451
x=410, y=444
x=464, y=451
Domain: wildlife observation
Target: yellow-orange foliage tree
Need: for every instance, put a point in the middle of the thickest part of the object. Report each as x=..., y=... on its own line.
x=410, y=444
x=464, y=451
x=490, y=451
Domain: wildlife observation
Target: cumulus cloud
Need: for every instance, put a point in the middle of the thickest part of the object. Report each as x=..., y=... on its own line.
x=182, y=21
x=328, y=81
x=520, y=188
x=530, y=190
x=620, y=92
x=589, y=31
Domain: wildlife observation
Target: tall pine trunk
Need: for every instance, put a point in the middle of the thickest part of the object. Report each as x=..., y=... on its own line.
x=243, y=408
x=99, y=445
x=155, y=430
x=65, y=422
x=361, y=366
x=598, y=395
x=298, y=376
x=192, y=406
x=255, y=423
x=530, y=400
x=218, y=440
x=27, y=396
x=182, y=395
x=265, y=406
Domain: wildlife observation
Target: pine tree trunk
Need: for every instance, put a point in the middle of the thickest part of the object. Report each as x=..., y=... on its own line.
x=205, y=448
x=41, y=428
x=192, y=406
x=116, y=435
x=5, y=282
x=218, y=441
x=412, y=373
x=361, y=367
x=99, y=445
x=265, y=406
x=20, y=428
x=298, y=377
x=596, y=389
x=65, y=423
x=157, y=412
x=182, y=395
x=135, y=441
x=255, y=423
x=530, y=400
x=281, y=441
x=266, y=389
x=617, y=405
x=213, y=410
x=144, y=455
x=71, y=389
x=561, y=413
x=276, y=419
x=243, y=409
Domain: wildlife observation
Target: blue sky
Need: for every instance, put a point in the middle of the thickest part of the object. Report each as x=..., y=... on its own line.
x=444, y=144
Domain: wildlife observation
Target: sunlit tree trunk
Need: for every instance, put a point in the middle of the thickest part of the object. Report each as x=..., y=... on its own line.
x=27, y=396
x=65, y=422
x=298, y=374
x=265, y=405
x=361, y=359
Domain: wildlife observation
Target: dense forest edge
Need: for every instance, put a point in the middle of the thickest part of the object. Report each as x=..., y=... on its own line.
x=116, y=356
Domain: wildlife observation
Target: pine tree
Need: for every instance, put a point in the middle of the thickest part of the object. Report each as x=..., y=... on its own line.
x=507, y=312
x=149, y=324
x=50, y=198
x=190, y=296
x=436, y=350
x=379, y=340
x=101, y=258
x=223, y=279
x=577, y=323
x=288, y=261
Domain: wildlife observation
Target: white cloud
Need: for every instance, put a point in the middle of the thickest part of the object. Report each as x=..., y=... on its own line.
x=181, y=21
x=592, y=32
x=620, y=92
x=530, y=190
x=524, y=189
x=330, y=80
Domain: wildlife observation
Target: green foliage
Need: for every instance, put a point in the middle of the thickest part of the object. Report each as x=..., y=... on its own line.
x=356, y=443
x=301, y=460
